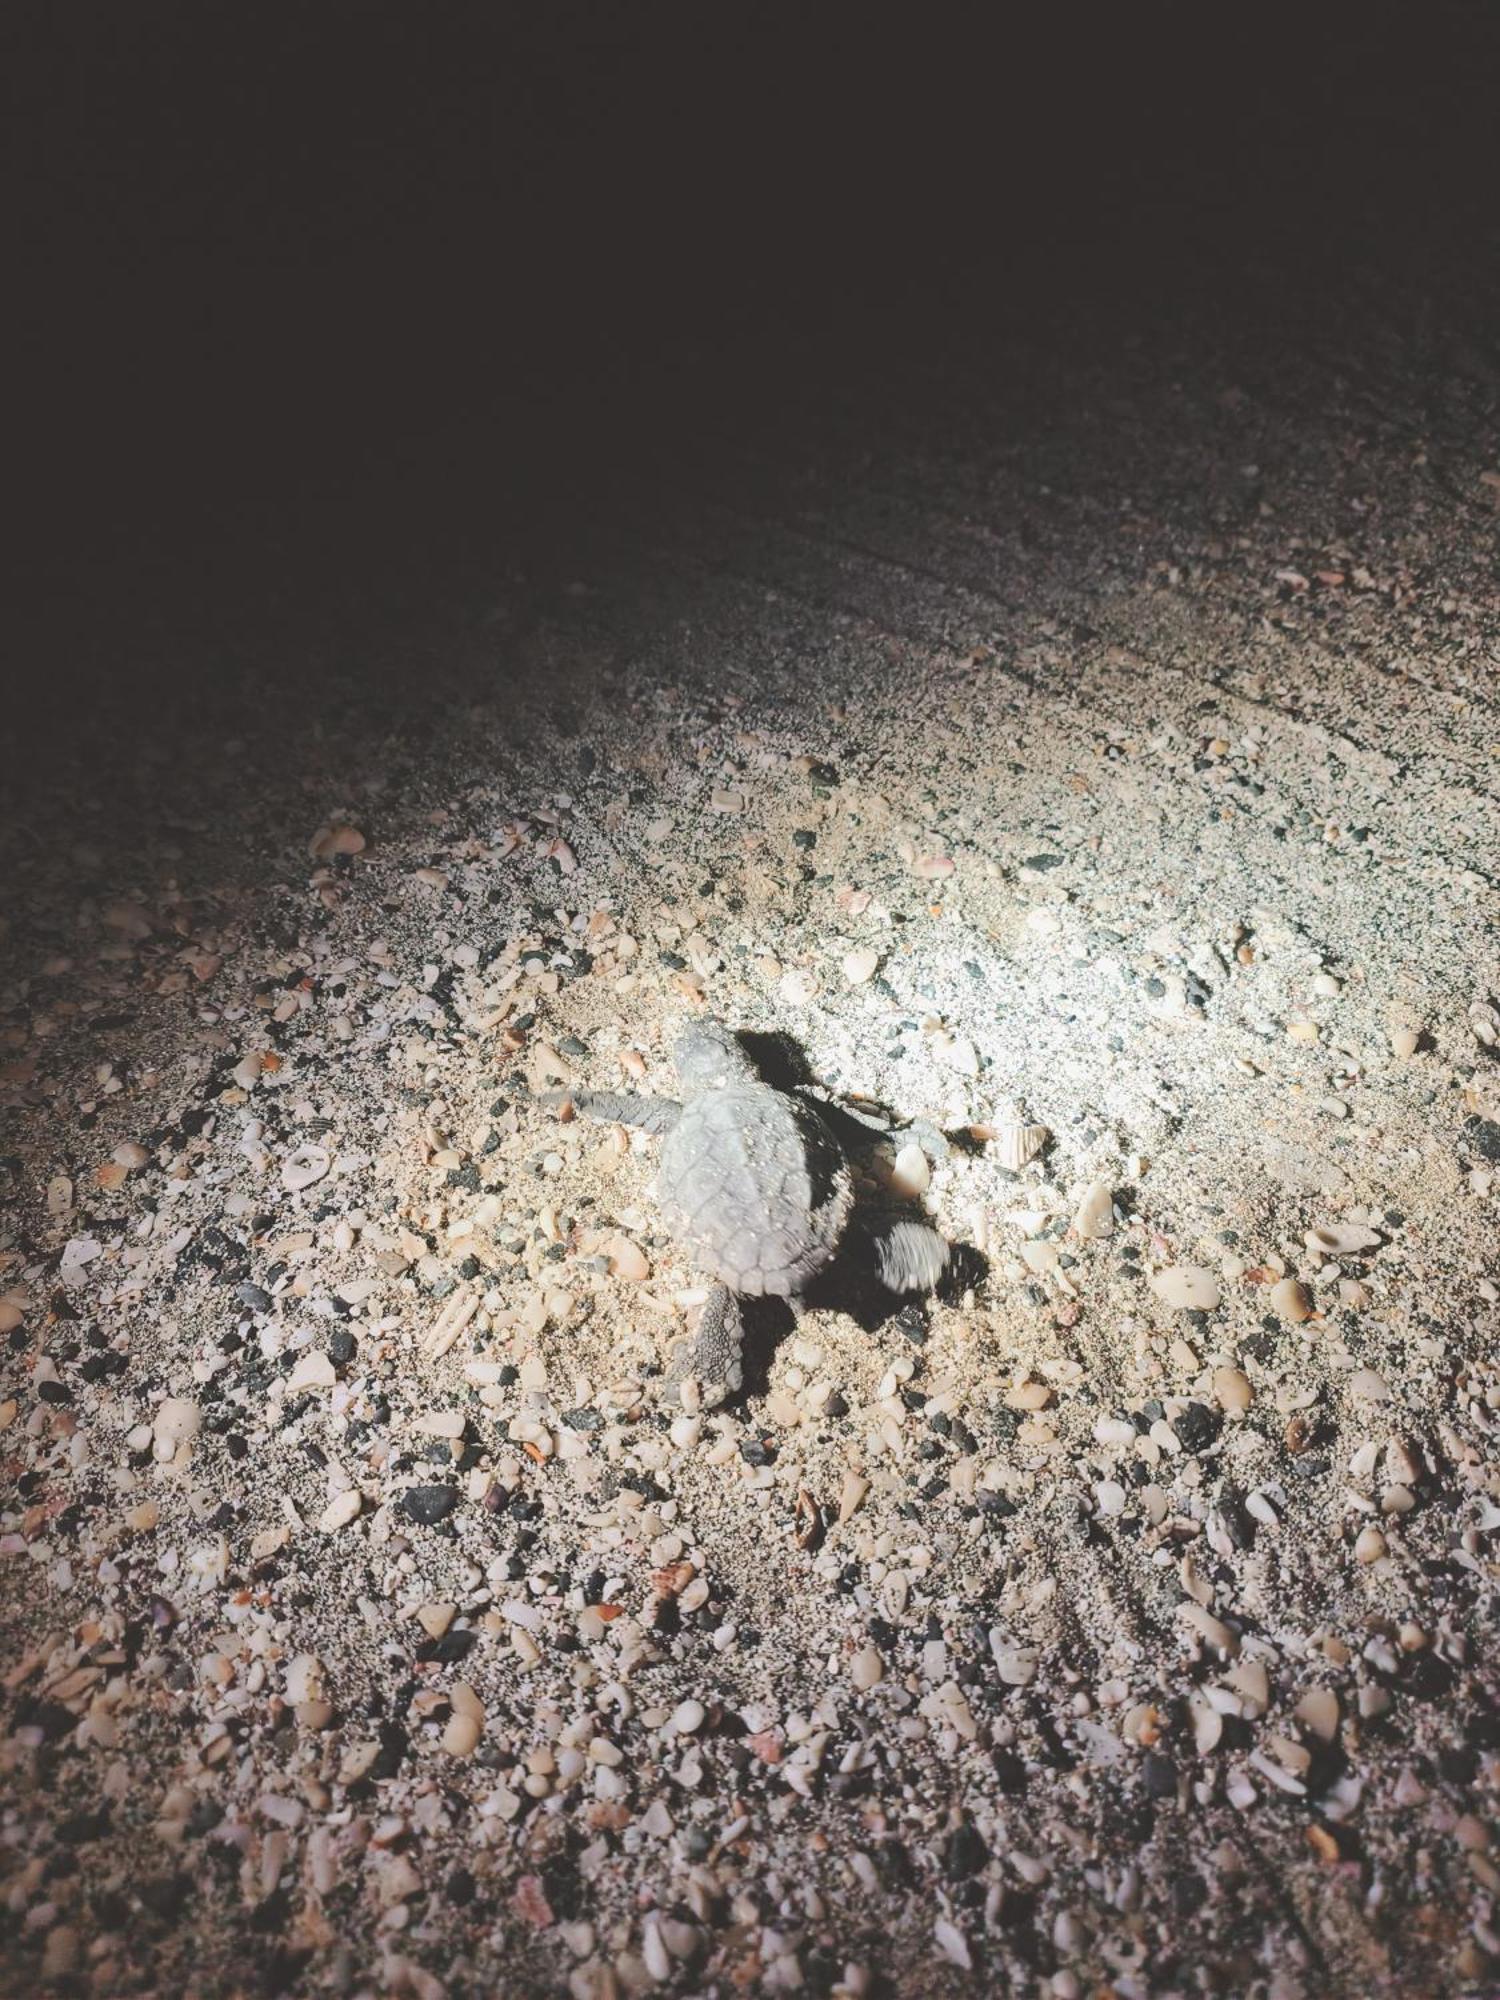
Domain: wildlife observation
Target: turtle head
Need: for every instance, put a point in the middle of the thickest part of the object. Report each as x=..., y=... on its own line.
x=707, y=1056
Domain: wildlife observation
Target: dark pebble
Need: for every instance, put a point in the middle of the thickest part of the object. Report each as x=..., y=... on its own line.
x=429, y=1504
x=964, y=1851
x=1196, y=1427
x=1427, y=1677
x=1188, y=1895
x=911, y=1323
x=1457, y=1765
x=81, y=1827
x=165, y=1896
x=95, y=1367
x=50, y=1717
x=394, y=1744
x=1010, y=1773
x=456, y=1644
x=1158, y=1775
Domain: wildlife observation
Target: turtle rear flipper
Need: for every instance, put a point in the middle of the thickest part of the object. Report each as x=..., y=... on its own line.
x=619, y=1107
x=907, y=1255
x=715, y=1356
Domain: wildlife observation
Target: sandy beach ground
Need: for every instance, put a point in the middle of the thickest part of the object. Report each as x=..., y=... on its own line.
x=1092, y=757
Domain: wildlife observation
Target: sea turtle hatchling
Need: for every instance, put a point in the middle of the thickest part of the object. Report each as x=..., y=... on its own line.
x=756, y=1188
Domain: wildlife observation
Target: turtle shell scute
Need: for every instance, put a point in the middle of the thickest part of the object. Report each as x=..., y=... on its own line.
x=754, y=1188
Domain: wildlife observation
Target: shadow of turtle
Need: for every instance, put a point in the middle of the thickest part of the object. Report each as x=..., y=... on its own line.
x=849, y=1284
x=767, y=1323
x=849, y=1287
x=779, y=1058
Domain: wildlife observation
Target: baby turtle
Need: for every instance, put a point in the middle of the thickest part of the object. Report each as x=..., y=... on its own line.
x=755, y=1187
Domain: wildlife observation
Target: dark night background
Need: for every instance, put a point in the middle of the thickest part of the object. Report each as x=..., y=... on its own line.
x=341, y=294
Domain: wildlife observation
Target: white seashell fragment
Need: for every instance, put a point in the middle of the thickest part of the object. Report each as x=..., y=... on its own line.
x=1187, y=1288
x=1096, y=1213
x=957, y=1051
x=911, y=1174
x=1016, y=1146
x=340, y=1511
x=313, y=1371
x=1342, y=1239
x=308, y=1164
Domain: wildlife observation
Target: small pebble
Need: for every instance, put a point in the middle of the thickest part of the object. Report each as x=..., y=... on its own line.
x=336, y=839
x=1341, y=1239
x=627, y=1260
x=1209, y=1628
x=313, y=1371
x=429, y=1504
x=1186, y=1288
x=1232, y=1390
x=341, y=1510
x=1291, y=1301
x=177, y=1422
x=1369, y=1386
x=1095, y=1215
x=866, y=1668
x=461, y=1734
x=1319, y=1709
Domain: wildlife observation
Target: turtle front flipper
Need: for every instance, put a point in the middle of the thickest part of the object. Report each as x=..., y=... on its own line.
x=907, y=1256
x=619, y=1107
x=715, y=1356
